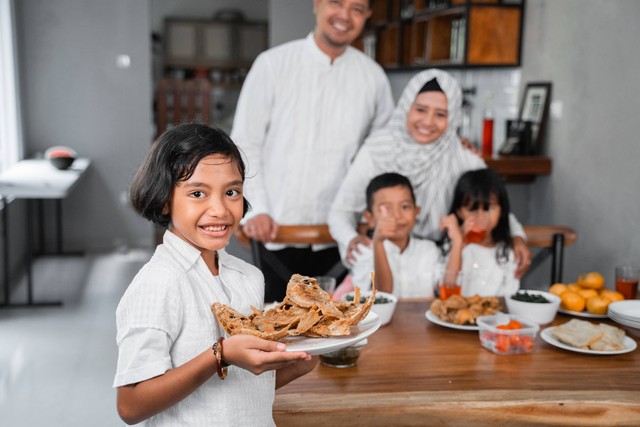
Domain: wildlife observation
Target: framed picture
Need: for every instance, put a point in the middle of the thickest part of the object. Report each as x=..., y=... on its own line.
x=535, y=109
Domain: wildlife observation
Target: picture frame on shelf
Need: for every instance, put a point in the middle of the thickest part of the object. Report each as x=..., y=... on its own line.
x=535, y=109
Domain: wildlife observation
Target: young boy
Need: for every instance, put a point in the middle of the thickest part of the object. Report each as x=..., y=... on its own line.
x=404, y=265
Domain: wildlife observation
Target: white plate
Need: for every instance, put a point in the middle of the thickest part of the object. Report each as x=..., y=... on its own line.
x=315, y=346
x=438, y=321
x=629, y=344
x=629, y=309
x=583, y=314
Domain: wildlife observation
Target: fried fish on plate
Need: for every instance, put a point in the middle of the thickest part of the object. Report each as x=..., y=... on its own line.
x=307, y=310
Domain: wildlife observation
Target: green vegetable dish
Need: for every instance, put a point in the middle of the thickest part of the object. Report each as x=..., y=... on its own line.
x=527, y=297
x=379, y=299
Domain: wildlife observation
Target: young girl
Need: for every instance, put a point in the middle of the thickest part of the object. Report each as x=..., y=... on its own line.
x=172, y=351
x=488, y=263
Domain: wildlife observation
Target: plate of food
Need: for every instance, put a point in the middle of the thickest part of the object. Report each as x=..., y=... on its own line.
x=582, y=336
x=315, y=346
x=460, y=312
x=583, y=314
x=435, y=319
x=306, y=320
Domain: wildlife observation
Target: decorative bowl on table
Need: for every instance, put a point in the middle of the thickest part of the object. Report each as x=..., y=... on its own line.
x=536, y=306
x=507, y=334
x=384, y=305
x=61, y=157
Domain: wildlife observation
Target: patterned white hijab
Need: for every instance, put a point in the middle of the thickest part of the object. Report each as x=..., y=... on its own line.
x=434, y=168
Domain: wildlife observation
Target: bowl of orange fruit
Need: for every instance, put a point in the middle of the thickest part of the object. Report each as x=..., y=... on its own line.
x=587, y=297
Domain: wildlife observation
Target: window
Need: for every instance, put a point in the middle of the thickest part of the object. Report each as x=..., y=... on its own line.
x=10, y=120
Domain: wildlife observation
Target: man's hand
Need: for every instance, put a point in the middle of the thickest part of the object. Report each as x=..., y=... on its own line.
x=261, y=228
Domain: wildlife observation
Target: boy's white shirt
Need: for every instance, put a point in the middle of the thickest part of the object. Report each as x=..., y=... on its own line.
x=415, y=270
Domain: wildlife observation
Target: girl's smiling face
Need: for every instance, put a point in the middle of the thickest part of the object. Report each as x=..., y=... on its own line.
x=427, y=118
x=206, y=209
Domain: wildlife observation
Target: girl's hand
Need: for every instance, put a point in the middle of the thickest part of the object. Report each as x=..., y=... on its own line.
x=261, y=228
x=352, y=248
x=450, y=224
x=523, y=256
x=257, y=355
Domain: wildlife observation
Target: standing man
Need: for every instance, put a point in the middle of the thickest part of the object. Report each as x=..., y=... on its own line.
x=304, y=110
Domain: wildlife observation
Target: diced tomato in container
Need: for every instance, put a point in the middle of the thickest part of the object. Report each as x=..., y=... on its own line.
x=507, y=333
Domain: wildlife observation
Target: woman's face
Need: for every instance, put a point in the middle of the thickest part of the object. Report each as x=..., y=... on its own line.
x=428, y=117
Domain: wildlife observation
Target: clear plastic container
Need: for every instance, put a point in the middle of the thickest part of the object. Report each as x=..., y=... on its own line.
x=497, y=335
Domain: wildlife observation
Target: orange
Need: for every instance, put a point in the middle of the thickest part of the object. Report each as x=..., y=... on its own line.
x=572, y=301
x=598, y=305
x=558, y=288
x=612, y=295
x=573, y=287
x=587, y=293
x=591, y=280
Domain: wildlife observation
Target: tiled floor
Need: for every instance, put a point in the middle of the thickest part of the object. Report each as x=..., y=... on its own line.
x=57, y=363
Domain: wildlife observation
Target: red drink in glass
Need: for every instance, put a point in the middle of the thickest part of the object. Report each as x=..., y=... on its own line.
x=447, y=290
x=627, y=287
x=487, y=137
x=475, y=236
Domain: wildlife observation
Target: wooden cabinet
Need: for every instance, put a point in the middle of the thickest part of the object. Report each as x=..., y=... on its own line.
x=410, y=34
x=193, y=44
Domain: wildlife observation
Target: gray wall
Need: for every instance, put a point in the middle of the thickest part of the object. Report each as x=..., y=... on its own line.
x=290, y=20
x=73, y=94
x=588, y=49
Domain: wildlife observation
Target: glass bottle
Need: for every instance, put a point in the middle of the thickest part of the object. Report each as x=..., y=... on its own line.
x=487, y=127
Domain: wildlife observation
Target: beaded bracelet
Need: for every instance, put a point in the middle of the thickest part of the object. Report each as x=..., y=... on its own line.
x=221, y=365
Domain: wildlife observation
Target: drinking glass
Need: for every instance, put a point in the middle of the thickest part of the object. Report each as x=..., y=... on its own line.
x=327, y=283
x=449, y=283
x=627, y=281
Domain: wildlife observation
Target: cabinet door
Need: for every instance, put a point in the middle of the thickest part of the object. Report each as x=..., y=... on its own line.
x=253, y=39
x=494, y=36
x=217, y=43
x=181, y=42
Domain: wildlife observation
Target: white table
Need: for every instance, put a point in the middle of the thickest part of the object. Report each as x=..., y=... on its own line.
x=35, y=179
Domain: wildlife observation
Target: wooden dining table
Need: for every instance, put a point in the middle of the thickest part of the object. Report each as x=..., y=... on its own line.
x=413, y=372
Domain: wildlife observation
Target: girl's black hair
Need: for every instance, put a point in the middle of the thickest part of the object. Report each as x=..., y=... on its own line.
x=173, y=158
x=386, y=180
x=473, y=191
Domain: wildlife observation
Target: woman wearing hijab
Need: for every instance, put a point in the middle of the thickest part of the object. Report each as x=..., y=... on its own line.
x=420, y=142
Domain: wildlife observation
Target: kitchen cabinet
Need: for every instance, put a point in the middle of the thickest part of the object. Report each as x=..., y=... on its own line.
x=212, y=44
x=414, y=34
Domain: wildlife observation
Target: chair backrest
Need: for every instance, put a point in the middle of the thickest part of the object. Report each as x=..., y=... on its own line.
x=291, y=235
x=552, y=239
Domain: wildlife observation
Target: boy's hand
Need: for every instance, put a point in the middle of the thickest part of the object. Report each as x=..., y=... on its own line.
x=385, y=226
x=257, y=355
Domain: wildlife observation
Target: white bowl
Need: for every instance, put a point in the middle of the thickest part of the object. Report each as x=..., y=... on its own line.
x=383, y=310
x=540, y=313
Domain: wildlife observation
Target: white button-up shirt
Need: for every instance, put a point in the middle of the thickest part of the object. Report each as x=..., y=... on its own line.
x=300, y=120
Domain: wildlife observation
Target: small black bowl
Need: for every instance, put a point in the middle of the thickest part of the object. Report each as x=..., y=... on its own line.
x=62, y=163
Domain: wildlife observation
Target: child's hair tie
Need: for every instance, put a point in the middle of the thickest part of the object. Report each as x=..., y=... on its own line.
x=221, y=365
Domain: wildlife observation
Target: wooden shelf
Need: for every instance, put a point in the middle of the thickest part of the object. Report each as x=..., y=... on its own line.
x=413, y=34
x=519, y=169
